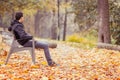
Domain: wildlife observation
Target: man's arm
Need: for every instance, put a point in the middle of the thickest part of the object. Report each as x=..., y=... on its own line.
x=22, y=34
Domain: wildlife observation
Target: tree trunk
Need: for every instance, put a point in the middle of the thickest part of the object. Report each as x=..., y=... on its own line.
x=54, y=32
x=52, y=45
x=37, y=19
x=54, y=27
x=65, y=24
x=103, y=19
x=58, y=4
x=13, y=14
x=108, y=46
x=0, y=21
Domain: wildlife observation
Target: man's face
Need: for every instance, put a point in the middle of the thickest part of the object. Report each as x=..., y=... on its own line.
x=21, y=19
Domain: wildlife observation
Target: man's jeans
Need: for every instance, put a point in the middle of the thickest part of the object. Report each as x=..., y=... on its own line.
x=42, y=46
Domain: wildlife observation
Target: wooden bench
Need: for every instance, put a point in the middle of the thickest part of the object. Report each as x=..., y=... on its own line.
x=16, y=47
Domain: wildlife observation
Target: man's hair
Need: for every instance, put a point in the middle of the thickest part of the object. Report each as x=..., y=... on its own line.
x=18, y=15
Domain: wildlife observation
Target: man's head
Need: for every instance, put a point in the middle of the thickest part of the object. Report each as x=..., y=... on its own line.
x=19, y=17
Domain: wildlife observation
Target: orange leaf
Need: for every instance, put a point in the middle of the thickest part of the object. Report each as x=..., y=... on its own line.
x=35, y=66
x=19, y=78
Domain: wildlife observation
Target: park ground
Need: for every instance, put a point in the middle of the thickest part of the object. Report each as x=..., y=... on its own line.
x=74, y=64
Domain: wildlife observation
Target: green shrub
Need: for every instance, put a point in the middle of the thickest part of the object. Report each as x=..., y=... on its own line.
x=83, y=40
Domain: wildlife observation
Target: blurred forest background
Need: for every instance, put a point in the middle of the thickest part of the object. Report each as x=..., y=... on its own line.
x=67, y=20
x=78, y=27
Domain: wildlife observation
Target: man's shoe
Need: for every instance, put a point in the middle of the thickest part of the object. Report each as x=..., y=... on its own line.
x=53, y=64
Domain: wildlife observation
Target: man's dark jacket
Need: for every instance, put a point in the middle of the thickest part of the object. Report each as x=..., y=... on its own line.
x=19, y=33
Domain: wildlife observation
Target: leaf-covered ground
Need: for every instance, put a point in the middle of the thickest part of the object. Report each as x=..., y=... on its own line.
x=74, y=64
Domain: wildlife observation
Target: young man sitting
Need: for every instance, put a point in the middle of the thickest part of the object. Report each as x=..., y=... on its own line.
x=24, y=38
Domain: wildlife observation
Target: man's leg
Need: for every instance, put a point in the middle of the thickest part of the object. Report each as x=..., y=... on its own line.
x=46, y=50
x=42, y=46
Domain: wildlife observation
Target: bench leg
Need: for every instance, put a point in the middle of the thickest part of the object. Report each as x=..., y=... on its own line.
x=33, y=56
x=8, y=56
